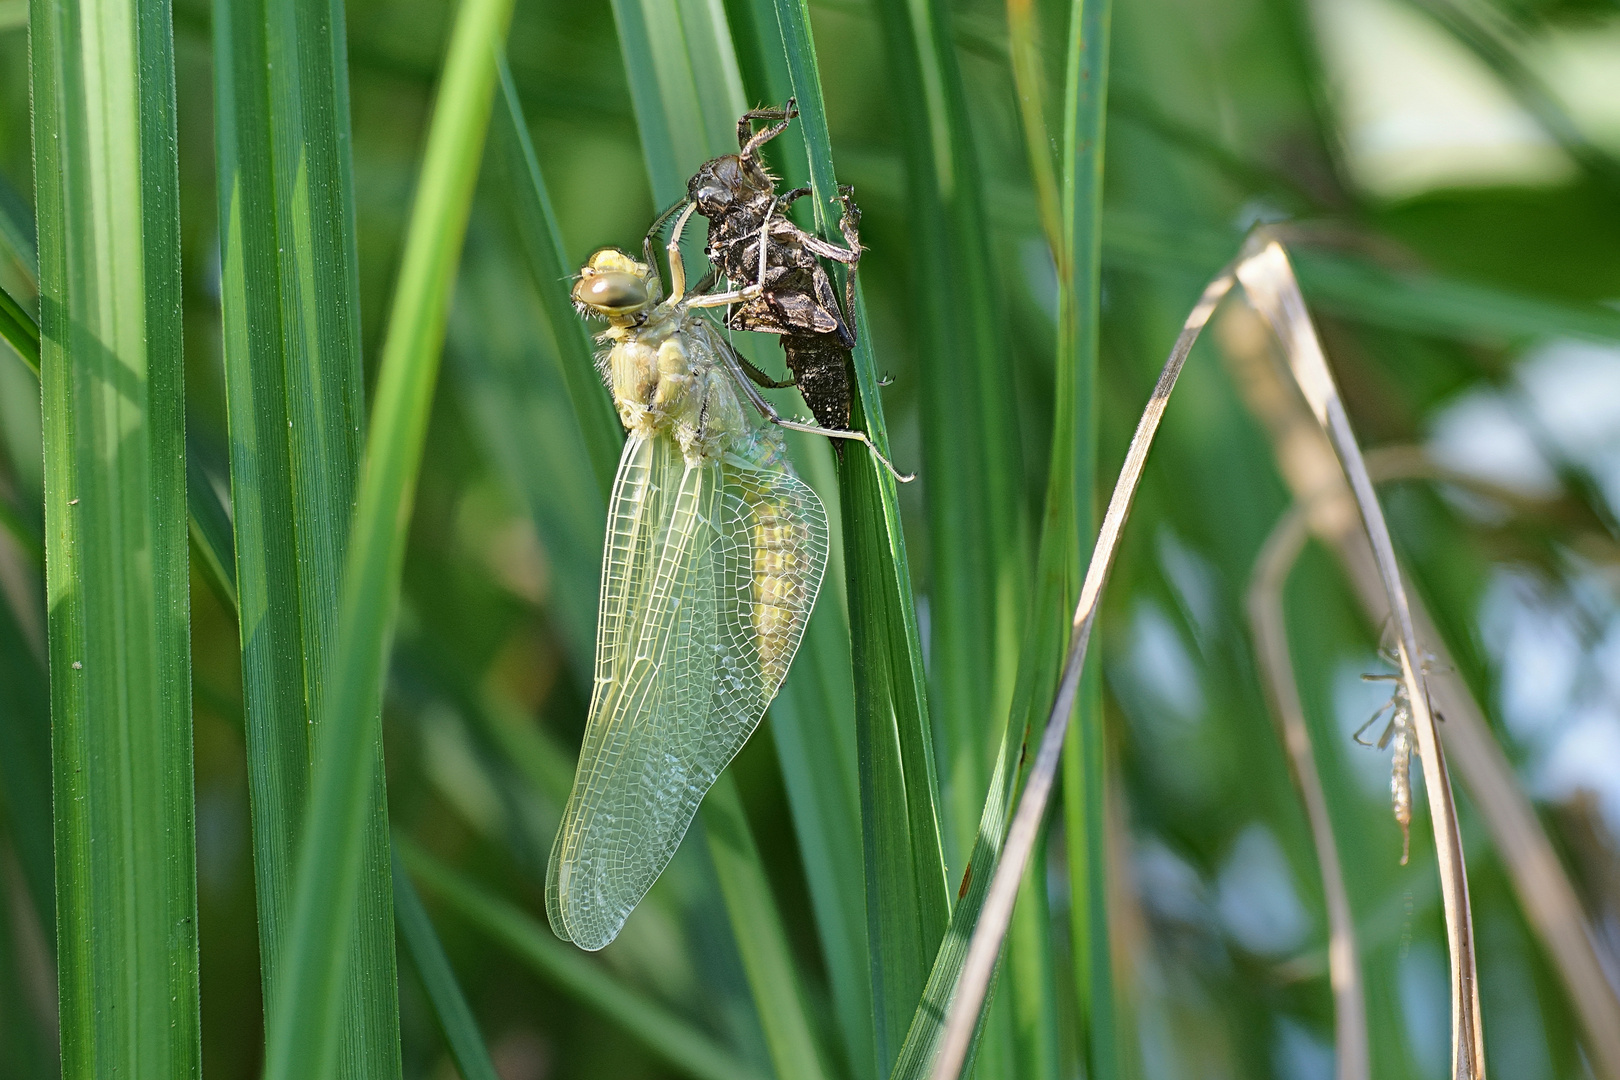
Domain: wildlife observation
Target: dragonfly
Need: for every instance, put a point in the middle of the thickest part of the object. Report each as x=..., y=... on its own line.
x=714, y=555
x=751, y=239
x=1401, y=730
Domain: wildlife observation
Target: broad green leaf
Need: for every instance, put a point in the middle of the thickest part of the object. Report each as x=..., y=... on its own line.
x=107, y=203
x=305, y=1015
x=295, y=401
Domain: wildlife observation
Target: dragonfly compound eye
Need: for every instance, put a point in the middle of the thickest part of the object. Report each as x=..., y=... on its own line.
x=716, y=185
x=611, y=283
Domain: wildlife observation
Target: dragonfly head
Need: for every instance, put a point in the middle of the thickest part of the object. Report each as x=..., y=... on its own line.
x=725, y=181
x=614, y=286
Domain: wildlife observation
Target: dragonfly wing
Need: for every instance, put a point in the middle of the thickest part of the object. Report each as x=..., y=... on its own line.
x=709, y=577
x=770, y=556
x=631, y=801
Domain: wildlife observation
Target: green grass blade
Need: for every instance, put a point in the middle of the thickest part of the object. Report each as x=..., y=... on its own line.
x=813, y=717
x=295, y=400
x=25, y=758
x=973, y=474
x=907, y=898
x=17, y=329
x=761, y=939
x=548, y=263
x=529, y=427
x=305, y=1016
x=1084, y=767
x=971, y=457
x=1067, y=516
x=685, y=1049
x=687, y=114
x=1362, y=290
x=455, y=1018
x=107, y=201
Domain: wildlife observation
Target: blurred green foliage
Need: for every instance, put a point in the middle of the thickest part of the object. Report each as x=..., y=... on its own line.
x=1221, y=113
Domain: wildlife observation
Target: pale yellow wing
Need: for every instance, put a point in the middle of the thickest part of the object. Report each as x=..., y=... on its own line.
x=709, y=574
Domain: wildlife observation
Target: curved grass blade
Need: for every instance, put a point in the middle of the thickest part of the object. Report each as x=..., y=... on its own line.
x=907, y=897
x=295, y=401
x=433, y=967
x=689, y=1051
x=304, y=1017
x=1545, y=890
x=115, y=504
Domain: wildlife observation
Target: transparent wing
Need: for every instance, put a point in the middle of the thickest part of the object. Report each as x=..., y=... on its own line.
x=709, y=575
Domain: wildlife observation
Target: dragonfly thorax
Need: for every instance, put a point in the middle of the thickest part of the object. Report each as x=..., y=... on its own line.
x=667, y=375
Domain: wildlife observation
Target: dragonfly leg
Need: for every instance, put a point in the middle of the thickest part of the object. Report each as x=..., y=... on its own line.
x=725, y=299
x=768, y=411
x=751, y=140
x=761, y=378
x=838, y=433
x=1371, y=720
x=652, y=234
x=677, y=265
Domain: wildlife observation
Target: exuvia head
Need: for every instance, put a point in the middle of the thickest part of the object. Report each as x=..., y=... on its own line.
x=726, y=180
x=614, y=286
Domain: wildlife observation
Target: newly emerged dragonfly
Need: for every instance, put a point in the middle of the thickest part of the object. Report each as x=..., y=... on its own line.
x=714, y=555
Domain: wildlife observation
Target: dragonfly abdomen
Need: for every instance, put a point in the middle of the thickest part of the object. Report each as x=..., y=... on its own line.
x=783, y=585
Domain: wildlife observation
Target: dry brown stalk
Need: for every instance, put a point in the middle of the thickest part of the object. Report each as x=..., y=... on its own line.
x=1269, y=280
x=1270, y=630
x=1326, y=509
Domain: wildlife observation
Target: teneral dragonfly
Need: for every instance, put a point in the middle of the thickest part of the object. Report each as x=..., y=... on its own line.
x=714, y=555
